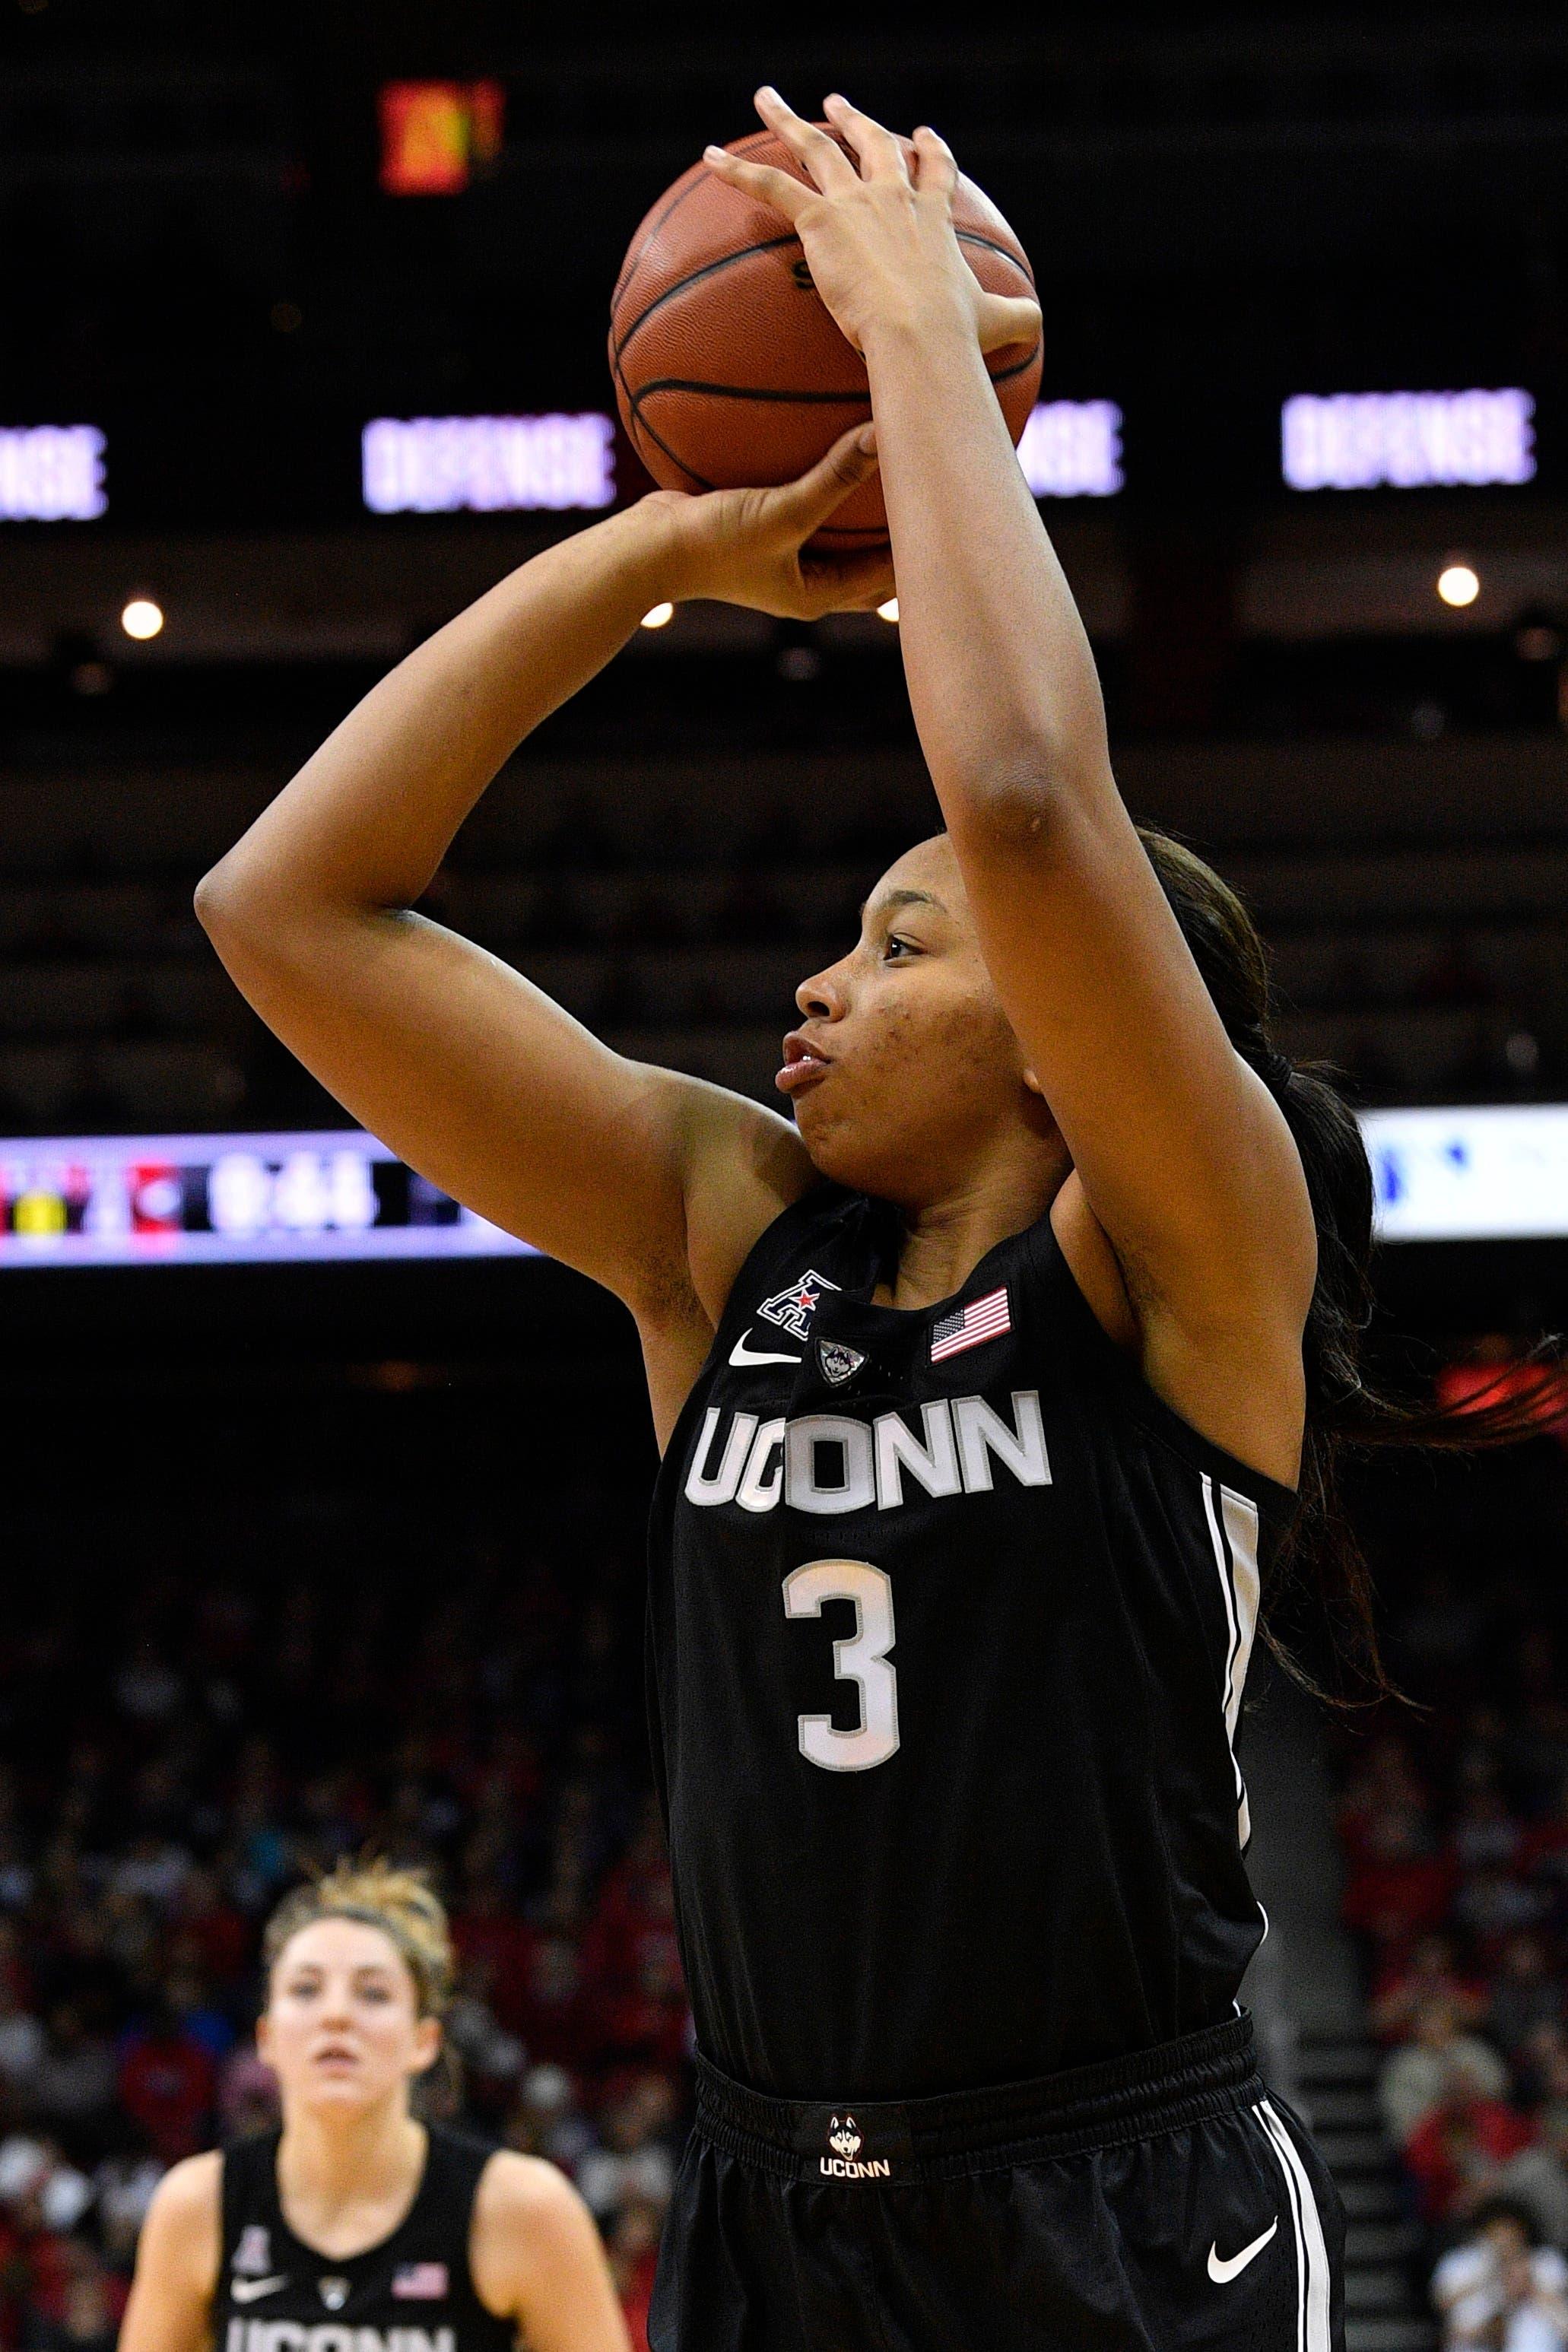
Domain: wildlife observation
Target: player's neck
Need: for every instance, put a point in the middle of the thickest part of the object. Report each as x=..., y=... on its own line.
x=944, y=1240
x=347, y=2164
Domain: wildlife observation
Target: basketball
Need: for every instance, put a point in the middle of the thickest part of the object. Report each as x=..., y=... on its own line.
x=729, y=368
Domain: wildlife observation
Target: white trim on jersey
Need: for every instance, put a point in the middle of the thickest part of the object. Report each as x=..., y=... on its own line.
x=1236, y=1558
x=1312, y=2275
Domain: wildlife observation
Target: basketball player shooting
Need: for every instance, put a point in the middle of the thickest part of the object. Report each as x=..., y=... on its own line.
x=989, y=1387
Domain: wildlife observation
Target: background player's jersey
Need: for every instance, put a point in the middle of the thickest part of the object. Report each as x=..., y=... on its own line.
x=413, y=2293
x=950, y=1618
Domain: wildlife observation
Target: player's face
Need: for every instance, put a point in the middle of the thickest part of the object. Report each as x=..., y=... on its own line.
x=341, y=2029
x=904, y=1068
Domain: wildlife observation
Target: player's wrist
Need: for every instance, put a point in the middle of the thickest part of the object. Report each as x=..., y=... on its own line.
x=923, y=323
x=652, y=550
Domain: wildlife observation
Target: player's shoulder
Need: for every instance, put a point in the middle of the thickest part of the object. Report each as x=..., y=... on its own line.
x=183, y=2229
x=527, y=2219
x=192, y=2187
x=514, y=2189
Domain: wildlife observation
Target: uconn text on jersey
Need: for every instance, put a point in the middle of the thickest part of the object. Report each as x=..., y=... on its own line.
x=830, y=1464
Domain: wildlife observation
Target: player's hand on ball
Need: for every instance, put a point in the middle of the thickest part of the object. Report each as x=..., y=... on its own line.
x=879, y=239
x=749, y=547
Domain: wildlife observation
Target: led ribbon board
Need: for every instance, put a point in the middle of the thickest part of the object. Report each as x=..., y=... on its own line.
x=51, y=473
x=1407, y=440
x=1494, y=1174
x=206, y=1200
x=488, y=465
x=1072, y=449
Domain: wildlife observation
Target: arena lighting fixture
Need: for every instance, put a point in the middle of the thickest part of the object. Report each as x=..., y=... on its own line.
x=1072, y=449
x=1458, y=585
x=142, y=619
x=889, y=611
x=1407, y=440
x=51, y=473
x=658, y=614
x=488, y=465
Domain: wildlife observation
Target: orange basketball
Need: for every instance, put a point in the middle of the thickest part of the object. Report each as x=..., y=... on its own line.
x=729, y=368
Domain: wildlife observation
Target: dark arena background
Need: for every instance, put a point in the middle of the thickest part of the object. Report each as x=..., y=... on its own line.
x=325, y=1503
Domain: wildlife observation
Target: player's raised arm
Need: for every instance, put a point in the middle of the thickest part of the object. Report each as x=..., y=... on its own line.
x=1185, y=1158
x=453, y=1058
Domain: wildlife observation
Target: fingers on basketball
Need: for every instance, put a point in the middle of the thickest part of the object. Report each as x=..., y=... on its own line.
x=833, y=478
x=857, y=583
x=821, y=155
x=729, y=370
x=763, y=182
x=1007, y=322
x=877, y=151
x=936, y=168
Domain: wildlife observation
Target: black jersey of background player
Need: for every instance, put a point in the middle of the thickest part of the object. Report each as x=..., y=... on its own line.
x=413, y=2293
x=948, y=1621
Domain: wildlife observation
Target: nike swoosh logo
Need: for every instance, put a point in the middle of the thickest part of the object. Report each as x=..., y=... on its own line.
x=741, y=1354
x=246, y=2290
x=1222, y=2272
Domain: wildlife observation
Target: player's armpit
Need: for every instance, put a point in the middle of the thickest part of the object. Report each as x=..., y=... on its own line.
x=740, y=1165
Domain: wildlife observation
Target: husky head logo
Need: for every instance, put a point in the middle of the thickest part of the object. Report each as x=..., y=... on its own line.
x=843, y=2137
x=334, y=2292
x=838, y=1362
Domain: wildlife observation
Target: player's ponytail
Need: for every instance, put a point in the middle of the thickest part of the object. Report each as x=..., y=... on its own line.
x=1346, y=1411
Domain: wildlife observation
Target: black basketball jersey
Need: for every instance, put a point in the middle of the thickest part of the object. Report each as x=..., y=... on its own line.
x=413, y=2293
x=950, y=1618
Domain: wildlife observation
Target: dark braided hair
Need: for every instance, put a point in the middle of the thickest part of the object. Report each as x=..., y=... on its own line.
x=1346, y=1412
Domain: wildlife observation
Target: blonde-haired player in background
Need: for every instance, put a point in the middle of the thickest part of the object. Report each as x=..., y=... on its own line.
x=357, y=2228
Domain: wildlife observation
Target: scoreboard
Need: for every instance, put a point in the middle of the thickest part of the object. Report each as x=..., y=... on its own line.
x=1496, y=1172
x=185, y=1200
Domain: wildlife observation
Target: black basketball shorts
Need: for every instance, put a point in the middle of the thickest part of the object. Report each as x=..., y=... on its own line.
x=1159, y=2202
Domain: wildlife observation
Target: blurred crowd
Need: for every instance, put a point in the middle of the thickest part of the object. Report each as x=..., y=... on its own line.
x=178, y=1752
x=1455, y=1828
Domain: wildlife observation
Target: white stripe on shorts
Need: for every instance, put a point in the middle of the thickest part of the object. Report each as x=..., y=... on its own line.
x=1312, y=2280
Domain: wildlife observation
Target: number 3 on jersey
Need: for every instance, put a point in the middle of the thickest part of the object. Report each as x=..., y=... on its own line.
x=861, y=1659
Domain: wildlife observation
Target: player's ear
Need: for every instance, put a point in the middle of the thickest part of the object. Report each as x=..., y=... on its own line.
x=264, y=2039
x=426, y=2044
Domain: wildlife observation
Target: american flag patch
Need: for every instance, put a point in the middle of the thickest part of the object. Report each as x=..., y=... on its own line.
x=982, y=1318
x=420, y=2282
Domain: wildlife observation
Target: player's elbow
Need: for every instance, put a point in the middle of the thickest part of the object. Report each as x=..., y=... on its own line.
x=1015, y=803
x=232, y=902
x=258, y=931
x=245, y=901
x=214, y=899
